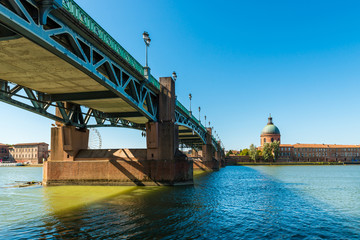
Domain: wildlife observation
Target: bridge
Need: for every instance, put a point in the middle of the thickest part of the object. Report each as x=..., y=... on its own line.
x=56, y=61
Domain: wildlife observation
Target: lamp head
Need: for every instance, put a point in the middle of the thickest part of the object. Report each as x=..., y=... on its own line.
x=146, y=38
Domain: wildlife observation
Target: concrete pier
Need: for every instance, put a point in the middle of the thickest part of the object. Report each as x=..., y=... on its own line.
x=162, y=163
x=208, y=151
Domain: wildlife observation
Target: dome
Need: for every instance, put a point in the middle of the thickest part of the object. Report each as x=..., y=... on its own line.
x=270, y=128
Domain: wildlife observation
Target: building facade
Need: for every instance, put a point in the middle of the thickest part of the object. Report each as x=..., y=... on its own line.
x=270, y=133
x=33, y=153
x=4, y=153
x=309, y=152
x=319, y=153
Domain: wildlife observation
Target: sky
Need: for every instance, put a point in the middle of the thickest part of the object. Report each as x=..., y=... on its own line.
x=241, y=61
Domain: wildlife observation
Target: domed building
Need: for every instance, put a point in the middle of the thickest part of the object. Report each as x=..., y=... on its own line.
x=270, y=133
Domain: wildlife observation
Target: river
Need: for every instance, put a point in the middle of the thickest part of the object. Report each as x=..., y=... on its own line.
x=237, y=202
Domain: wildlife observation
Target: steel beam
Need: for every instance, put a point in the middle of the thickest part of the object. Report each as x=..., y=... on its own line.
x=80, y=96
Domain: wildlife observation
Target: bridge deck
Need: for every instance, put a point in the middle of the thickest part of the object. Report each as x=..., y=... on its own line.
x=26, y=63
x=70, y=58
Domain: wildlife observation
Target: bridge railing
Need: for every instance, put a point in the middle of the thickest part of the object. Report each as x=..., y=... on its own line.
x=76, y=11
x=178, y=104
x=184, y=109
x=154, y=82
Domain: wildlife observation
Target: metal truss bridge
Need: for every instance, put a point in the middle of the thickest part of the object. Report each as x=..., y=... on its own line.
x=54, y=55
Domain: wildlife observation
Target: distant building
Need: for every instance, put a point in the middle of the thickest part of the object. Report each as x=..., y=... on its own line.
x=4, y=153
x=233, y=152
x=309, y=152
x=319, y=153
x=34, y=153
x=270, y=133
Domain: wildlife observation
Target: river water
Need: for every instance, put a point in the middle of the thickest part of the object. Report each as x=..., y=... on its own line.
x=261, y=202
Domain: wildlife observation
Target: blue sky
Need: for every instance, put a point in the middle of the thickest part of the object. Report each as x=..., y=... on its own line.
x=241, y=60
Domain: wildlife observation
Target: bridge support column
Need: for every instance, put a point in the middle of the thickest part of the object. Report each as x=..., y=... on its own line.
x=167, y=165
x=219, y=155
x=71, y=163
x=194, y=153
x=66, y=142
x=208, y=153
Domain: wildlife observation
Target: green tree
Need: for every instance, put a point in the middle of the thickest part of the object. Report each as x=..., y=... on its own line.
x=267, y=152
x=228, y=153
x=253, y=152
x=275, y=149
x=244, y=152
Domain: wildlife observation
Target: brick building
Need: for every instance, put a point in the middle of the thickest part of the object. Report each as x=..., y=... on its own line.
x=319, y=153
x=4, y=153
x=309, y=152
x=34, y=153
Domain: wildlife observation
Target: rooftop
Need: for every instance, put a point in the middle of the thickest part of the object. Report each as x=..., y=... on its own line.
x=305, y=145
x=30, y=144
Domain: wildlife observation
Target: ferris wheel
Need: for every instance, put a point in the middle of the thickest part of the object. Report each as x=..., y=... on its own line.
x=95, y=141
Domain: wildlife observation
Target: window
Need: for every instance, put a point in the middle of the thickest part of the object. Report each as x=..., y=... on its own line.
x=272, y=139
x=264, y=140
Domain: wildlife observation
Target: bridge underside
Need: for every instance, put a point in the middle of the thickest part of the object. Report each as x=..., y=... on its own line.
x=27, y=64
x=190, y=138
x=60, y=62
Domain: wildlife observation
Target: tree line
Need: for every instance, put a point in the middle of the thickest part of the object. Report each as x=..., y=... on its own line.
x=269, y=152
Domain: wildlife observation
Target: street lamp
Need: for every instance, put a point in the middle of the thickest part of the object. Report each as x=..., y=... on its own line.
x=199, y=115
x=174, y=75
x=205, y=121
x=147, y=41
x=190, y=97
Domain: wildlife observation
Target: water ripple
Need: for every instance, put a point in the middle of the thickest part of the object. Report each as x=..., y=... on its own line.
x=234, y=203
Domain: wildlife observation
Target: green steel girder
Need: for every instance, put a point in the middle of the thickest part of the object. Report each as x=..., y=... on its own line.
x=50, y=29
x=60, y=39
x=73, y=115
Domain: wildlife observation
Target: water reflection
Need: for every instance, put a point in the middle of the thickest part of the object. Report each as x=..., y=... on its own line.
x=66, y=198
x=234, y=203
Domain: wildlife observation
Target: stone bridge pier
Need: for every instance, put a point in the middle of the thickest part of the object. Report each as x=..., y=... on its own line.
x=210, y=155
x=72, y=163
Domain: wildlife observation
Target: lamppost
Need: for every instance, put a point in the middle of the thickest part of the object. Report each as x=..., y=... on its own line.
x=190, y=97
x=174, y=75
x=147, y=41
x=199, y=114
x=205, y=121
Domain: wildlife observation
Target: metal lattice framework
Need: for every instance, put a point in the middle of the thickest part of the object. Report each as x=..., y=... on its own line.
x=74, y=114
x=64, y=29
x=57, y=37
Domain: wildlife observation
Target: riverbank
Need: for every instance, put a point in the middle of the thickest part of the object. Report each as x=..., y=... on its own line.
x=19, y=165
x=291, y=163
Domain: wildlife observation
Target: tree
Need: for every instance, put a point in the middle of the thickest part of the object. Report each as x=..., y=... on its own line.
x=253, y=152
x=228, y=153
x=275, y=149
x=267, y=152
x=244, y=152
